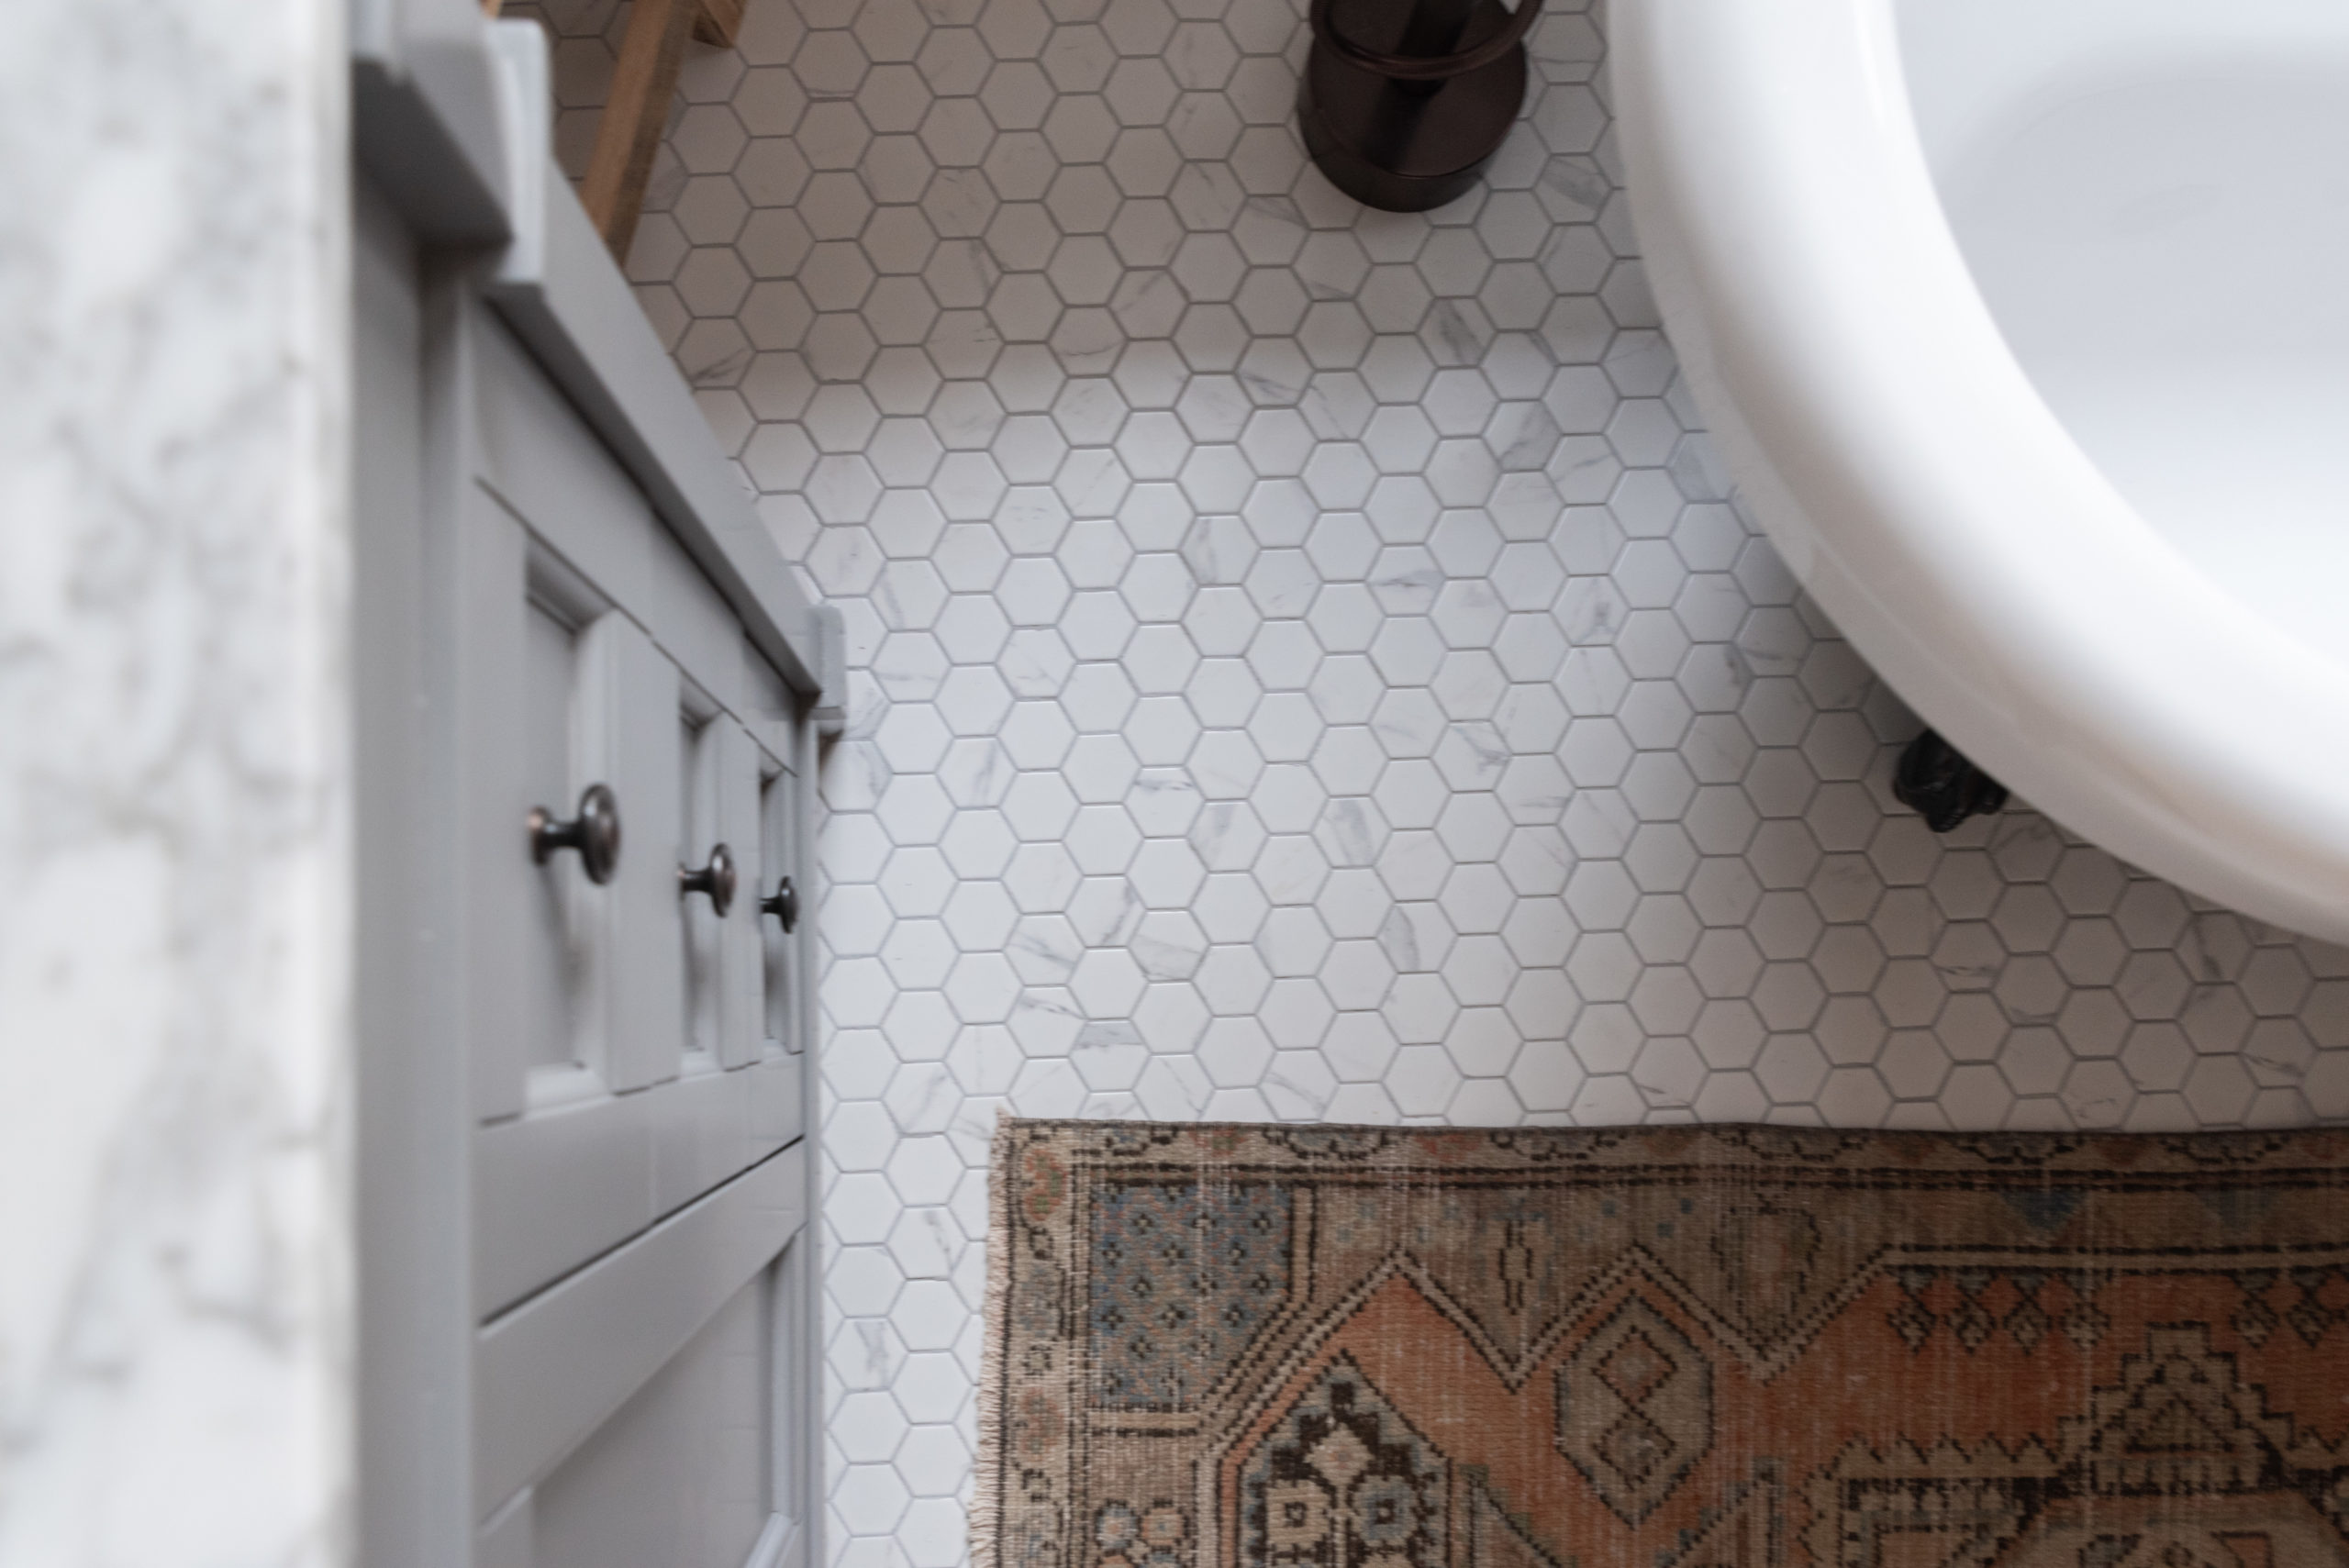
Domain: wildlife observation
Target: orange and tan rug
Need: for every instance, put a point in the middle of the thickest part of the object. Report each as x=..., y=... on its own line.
x=1268, y=1347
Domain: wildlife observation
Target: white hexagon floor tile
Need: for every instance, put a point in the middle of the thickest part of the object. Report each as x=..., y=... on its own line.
x=1307, y=664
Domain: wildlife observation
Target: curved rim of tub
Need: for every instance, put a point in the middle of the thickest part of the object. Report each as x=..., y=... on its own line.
x=1923, y=492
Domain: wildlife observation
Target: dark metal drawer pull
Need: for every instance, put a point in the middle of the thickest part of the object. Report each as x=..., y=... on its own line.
x=783, y=904
x=594, y=833
x=716, y=879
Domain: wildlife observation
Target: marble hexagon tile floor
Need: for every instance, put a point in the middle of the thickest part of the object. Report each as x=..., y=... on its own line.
x=1307, y=665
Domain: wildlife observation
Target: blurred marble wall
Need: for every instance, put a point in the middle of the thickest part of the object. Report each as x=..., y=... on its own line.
x=175, y=882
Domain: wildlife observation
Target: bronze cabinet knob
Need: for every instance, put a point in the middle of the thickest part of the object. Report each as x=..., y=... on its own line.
x=594, y=833
x=783, y=904
x=716, y=879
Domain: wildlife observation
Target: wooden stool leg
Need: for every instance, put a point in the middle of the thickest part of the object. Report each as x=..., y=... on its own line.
x=719, y=22
x=643, y=85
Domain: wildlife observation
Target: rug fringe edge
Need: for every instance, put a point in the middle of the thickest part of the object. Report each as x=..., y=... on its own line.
x=986, y=1495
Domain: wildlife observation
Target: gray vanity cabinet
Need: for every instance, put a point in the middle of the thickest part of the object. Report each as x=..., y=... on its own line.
x=585, y=1284
x=622, y=1063
x=637, y=1063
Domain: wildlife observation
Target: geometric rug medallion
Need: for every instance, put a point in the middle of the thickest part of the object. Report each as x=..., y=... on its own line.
x=1727, y=1347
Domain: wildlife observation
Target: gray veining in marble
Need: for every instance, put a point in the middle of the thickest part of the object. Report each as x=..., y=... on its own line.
x=174, y=888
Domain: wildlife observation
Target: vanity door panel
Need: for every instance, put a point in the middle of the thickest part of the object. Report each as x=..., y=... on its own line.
x=704, y=1124
x=722, y=952
x=626, y=1063
x=781, y=1023
x=571, y=1006
x=734, y=763
x=783, y=1008
x=633, y=994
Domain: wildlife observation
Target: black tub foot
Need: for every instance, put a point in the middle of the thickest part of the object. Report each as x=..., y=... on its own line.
x=1942, y=787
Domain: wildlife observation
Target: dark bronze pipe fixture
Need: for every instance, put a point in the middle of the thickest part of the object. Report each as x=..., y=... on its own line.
x=1937, y=781
x=1403, y=102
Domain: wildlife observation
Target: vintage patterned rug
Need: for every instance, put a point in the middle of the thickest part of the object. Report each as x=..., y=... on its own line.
x=1264, y=1347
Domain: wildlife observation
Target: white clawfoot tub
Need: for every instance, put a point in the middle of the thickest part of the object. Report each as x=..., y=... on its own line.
x=2024, y=326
